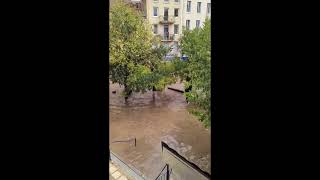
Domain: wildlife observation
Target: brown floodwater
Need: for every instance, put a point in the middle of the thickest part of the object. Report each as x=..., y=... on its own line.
x=152, y=120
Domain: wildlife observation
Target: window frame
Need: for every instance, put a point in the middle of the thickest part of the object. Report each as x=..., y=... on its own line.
x=209, y=8
x=174, y=29
x=188, y=22
x=198, y=7
x=174, y=12
x=164, y=10
x=189, y=6
x=155, y=27
x=198, y=25
x=154, y=11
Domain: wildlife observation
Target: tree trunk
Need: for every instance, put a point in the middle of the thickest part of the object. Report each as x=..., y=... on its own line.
x=153, y=88
x=127, y=92
x=126, y=89
x=189, y=88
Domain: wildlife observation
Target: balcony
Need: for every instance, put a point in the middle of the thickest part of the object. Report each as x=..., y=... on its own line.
x=167, y=37
x=166, y=19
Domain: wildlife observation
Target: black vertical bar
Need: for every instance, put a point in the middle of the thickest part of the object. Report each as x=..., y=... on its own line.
x=135, y=142
x=168, y=172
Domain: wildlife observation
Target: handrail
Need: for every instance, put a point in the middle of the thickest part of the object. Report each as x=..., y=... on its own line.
x=166, y=174
x=166, y=19
x=167, y=36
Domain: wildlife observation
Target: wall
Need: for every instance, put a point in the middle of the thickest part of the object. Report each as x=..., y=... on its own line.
x=180, y=168
x=193, y=15
x=161, y=5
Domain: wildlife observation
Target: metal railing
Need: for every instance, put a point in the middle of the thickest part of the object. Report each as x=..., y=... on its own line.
x=164, y=174
x=167, y=37
x=166, y=19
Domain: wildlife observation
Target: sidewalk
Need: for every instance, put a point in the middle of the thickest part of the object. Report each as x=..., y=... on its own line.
x=115, y=174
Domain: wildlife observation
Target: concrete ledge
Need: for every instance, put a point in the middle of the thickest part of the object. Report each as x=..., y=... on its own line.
x=129, y=170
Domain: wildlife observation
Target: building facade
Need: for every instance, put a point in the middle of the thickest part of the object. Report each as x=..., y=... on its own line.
x=195, y=13
x=169, y=17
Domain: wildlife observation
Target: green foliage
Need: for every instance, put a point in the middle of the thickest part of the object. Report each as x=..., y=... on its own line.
x=135, y=54
x=164, y=75
x=196, y=44
x=181, y=69
x=202, y=116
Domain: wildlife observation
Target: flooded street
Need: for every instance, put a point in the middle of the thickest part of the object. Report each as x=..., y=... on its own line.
x=152, y=120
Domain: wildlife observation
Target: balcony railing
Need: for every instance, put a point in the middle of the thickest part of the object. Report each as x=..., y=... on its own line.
x=166, y=19
x=167, y=37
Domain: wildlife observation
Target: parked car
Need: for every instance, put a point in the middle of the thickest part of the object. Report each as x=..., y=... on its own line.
x=184, y=58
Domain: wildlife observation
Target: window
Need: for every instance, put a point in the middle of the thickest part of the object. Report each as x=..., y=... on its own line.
x=176, y=29
x=166, y=32
x=176, y=0
x=188, y=24
x=199, y=7
x=197, y=23
x=166, y=14
x=155, y=29
x=209, y=8
x=165, y=11
x=166, y=1
x=176, y=12
x=189, y=6
x=155, y=11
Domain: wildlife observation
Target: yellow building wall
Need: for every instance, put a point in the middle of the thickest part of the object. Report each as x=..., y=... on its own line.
x=181, y=19
x=161, y=4
x=193, y=15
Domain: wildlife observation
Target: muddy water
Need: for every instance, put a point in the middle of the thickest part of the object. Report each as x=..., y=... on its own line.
x=152, y=120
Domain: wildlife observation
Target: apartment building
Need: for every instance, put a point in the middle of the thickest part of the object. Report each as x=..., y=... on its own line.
x=168, y=17
x=165, y=17
x=195, y=12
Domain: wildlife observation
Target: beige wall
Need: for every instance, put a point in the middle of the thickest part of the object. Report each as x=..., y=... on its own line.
x=193, y=15
x=183, y=14
x=161, y=4
x=181, y=19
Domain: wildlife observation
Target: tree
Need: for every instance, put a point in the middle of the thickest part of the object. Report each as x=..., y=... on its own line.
x=196, y=44
x=135, y=54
